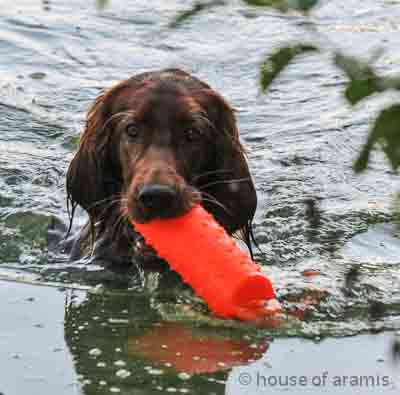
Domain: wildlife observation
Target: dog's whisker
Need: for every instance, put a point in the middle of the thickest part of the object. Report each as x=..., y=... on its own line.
x=215, y=202
x=233, y=181
x=206, y=197
x=113, y=198
x=209, y=173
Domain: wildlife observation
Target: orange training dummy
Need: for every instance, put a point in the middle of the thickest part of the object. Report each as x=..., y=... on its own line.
x=205, y=256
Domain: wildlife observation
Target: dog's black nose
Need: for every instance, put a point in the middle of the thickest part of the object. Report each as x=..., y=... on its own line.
x=157, y=199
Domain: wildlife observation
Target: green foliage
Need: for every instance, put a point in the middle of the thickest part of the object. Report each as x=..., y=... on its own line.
x=101, y=4
x=284, y=5
x=396, y=210
x=278, y=4
x=302, y=5
x=363, y=80
x=198, y=7
x=281, y=5
x=277, y=62
x=386, y=132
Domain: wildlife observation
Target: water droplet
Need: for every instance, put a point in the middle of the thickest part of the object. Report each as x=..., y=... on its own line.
x=184, y=376
x=156, y=372
x=123, y=373
x=95, y=352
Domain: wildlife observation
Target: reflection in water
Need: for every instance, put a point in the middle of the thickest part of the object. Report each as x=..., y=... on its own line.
x=192, y=351
x=120, y=342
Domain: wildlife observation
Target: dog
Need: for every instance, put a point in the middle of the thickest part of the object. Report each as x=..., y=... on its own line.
x=153, y=146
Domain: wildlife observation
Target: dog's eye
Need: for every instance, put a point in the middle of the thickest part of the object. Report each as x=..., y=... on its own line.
x=192, y=135
x=132, y=130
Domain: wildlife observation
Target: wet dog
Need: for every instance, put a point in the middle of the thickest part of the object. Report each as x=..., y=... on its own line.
x=154, y=145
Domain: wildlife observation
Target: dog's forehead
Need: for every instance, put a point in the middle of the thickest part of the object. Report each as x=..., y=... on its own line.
x=168, y=103
x=159, y=103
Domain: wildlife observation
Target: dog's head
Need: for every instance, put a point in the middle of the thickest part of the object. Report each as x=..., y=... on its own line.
x=158, y=144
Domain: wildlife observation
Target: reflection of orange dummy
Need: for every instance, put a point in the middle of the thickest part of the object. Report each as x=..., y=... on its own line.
x=170, y=344
x=207, y=259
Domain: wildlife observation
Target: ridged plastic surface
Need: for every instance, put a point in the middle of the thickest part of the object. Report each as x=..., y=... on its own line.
x=207, y=259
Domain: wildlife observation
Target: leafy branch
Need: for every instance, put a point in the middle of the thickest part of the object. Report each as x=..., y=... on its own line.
x=363, y=82
x=197, y=8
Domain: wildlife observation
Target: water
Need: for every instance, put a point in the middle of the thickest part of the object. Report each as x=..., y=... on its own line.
x=301, y=137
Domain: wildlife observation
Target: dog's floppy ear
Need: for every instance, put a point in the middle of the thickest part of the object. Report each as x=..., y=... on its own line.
x=89, y=178
x=231, y=184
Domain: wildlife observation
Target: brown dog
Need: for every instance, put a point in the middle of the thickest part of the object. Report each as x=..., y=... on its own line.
x=154, y=145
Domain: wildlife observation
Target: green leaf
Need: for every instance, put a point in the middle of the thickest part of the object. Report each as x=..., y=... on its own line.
x=396, y=209
x=361, y=162
x=301, y=5
x=278, y=4
x=386, y=133
x=358, y=90
x=101, y=4
x=279, y=60
x=390, y=83
x=190, y=13
x=363, y=80
x=284, y=5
